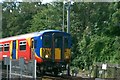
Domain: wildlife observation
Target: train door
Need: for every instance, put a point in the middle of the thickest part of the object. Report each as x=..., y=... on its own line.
x=34, y=47
x=14, y=49
x=60, y=48
x=57, y=47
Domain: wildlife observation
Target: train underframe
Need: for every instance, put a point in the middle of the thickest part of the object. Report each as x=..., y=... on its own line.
x=54, y=68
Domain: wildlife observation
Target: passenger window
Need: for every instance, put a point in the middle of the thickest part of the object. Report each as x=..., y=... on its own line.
x=32, y=43
x=1, y=47
x=6, y=47
x=22, y=45
x=35, y=43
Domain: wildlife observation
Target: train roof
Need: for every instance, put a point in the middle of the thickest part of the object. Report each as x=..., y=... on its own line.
x=34, y=34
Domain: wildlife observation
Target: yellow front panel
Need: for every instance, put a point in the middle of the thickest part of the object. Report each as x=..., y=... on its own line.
x=57, y=53
x=44, y=51
x=67, y=54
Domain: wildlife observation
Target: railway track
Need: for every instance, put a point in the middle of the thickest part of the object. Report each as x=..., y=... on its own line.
x=60, y=78
x=48, y=78
x=45, y=77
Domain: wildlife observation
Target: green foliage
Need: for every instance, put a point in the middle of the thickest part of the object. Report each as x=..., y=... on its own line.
x=17, y=17
x=48, y=18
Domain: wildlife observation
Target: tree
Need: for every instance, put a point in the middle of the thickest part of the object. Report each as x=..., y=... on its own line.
x=50, y=17
x=17, y=17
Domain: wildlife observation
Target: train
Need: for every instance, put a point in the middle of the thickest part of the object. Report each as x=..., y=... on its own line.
x=50, y=48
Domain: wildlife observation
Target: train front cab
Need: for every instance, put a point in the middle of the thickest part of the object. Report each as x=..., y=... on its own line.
x=55, y=51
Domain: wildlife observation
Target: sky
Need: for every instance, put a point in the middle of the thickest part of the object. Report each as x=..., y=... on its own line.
x=43, y=1
x=46, y=1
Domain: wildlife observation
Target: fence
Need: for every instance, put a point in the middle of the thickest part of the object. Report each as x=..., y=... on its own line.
x=107, y=70
x=19, y=68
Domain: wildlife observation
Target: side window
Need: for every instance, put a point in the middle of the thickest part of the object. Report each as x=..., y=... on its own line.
x=6, y=47
x=1, y=47
x=32, y=43
x=22, y=45
x=35, y=43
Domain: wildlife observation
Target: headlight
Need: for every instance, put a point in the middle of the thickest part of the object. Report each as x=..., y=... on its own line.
x=67, y=57
x=46, y=56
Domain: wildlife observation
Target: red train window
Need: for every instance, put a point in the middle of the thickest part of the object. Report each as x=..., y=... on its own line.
x=22, y=45
x=6, y=47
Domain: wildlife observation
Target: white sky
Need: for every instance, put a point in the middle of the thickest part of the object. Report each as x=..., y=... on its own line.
x=43, y=1
x=0, y=0
x=46, y=1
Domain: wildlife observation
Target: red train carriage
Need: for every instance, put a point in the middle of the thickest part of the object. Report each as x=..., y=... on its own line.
x=16, y=47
